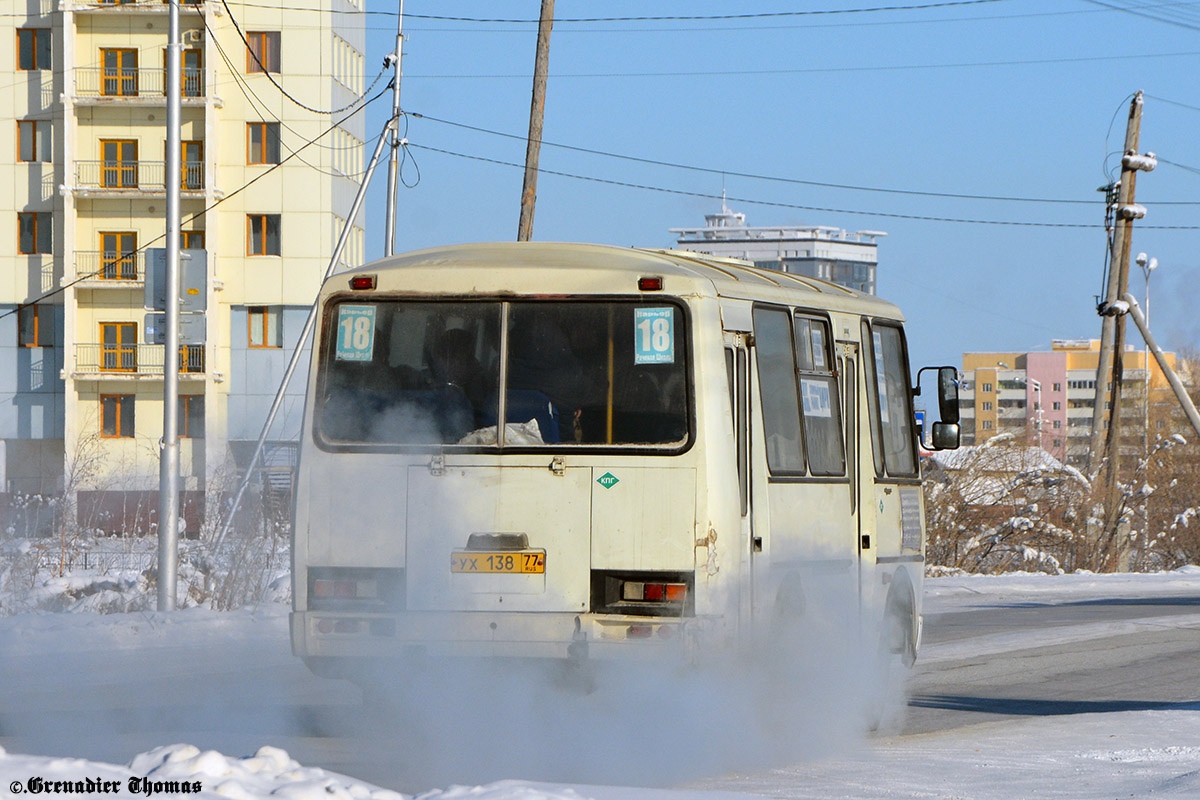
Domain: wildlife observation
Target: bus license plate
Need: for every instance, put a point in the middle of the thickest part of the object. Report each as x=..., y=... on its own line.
x=523, y=563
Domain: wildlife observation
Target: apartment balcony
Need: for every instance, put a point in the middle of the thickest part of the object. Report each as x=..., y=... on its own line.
x=127, y=6
x=147, y=86
x=134, y=361
x=134, y=179
x=110, y=269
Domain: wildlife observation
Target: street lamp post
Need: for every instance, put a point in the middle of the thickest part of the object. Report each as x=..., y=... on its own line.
x=1037, y=410
x=1148, y=265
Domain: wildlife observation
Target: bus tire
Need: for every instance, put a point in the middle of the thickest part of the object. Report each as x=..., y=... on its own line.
x=900, y=620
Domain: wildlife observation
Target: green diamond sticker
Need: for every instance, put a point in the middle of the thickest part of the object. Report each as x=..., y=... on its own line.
x=607, y=480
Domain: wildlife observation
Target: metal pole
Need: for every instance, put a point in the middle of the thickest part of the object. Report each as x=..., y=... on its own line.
x=537, y=112
x=1118, y=266
x=308, y=327
x=168, y=471
x=393, y=175
x=1181, y=394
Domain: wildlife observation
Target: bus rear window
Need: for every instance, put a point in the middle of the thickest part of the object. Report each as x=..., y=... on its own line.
x=577, y=373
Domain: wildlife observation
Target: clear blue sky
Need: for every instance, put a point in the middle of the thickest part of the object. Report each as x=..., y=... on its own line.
x=1014, y=98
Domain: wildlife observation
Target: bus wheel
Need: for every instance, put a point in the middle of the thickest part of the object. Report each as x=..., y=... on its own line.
x=900, y=621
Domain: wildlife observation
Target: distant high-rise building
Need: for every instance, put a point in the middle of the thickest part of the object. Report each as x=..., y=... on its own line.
x=1048, y=398
x=828, y=253
x=80, y=386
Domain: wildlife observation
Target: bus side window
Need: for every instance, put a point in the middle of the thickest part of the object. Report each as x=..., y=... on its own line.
x=779, y=395
x=891, y=406
x=872, y=361
x=819, y=391
x=729, y=376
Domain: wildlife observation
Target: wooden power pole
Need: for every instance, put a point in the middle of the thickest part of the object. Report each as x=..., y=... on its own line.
x=537, y=111
x=1112, y=332
x=1112, y=340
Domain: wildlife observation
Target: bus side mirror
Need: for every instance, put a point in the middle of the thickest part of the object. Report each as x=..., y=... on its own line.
x=945, y=436
x=948, y=396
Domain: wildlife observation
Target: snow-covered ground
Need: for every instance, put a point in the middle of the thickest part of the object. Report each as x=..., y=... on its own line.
x=1122, y=754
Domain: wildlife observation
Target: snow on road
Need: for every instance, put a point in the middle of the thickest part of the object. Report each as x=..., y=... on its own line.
x=1123, y=754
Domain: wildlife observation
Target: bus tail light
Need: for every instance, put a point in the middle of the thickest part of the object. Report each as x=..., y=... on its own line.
x=649, y=594
x=353, y=589
x=360, y=282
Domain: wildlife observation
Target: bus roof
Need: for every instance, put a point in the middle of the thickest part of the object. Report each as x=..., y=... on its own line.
x=552, y=268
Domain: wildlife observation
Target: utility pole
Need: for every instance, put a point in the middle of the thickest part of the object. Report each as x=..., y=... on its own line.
x=394, y=139
x=537, y=111
x=168, y=465
x=1112, y=332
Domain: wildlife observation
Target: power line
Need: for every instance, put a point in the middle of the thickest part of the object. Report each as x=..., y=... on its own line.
x=817, y=70
x=776, y=204
x=776, y=178
x=201, y=212
x=260, y=107
x=233, y=21
x=696, y=17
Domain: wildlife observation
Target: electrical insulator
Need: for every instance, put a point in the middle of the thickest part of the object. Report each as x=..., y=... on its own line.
x=1132, y=211
x=1146, y=163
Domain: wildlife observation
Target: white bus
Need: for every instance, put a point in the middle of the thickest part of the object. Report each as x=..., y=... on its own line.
x=693, y=449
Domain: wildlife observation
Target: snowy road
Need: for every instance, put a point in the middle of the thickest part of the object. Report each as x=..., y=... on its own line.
x=1055, y=656
x=1088, y=681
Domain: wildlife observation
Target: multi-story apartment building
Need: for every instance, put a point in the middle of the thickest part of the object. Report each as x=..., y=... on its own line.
x=1049, y=398
x=80, y=387
x=820, y=251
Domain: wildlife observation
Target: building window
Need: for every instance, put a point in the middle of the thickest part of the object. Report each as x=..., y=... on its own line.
x=986, y=424
x=118, y=256
x=266, y=326
x=119, y=72
x=33, y=48
x=191, y=240
x=1058, y=387
x=262, y=142
x=191, y=72
x=119, y=169
x=987, y=405
x=35, y=232
x=116, y=416
x=191, y=171
x=263, y=55
x=262, y=234
x=1057, y=443
x=1057, y=423
x=33, y=140
x=985, y=387
x=33, y=326
x=118, y=347
x=191, y=416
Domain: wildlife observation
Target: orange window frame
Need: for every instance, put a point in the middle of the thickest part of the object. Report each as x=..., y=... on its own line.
x=118, y=257
x=35, y=35
x=260, y=317
x=36, y=218
x=184, y=413
x=262, y=54
x=118, y=77
x=120, y=172
x=117, y=403
x=29, y=129
x=264, y=129
x=119, y=355
x=262, y=221
x=191, y=240
x=23, y=314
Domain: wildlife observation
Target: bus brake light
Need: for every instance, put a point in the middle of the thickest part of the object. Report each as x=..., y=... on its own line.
x=362, y=282
x=650, y=283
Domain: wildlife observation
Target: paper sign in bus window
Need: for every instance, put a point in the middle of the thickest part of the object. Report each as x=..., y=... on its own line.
x=654, y=336
x=355, y=333
x=816, y=398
